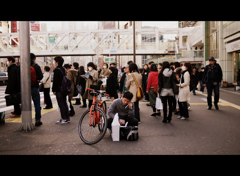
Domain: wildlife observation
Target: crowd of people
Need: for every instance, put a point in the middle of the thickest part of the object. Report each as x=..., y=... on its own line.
x=172, y=82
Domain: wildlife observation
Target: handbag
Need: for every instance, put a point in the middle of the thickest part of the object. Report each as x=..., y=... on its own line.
x=13, y=99
x=158, y=104
x=155, y=89
x=139, y=89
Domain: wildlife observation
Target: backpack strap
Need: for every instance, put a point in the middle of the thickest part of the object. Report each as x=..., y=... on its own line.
x=135, y=80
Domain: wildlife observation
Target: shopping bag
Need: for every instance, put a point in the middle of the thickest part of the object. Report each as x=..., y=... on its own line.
x=104, y=81
x=158, y=104
x=115, y=130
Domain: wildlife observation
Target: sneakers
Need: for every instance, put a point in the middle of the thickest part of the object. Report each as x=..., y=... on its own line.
x=63, y=121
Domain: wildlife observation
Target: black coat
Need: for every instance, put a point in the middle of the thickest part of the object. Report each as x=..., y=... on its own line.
x=212, y=74
x=57, y=79
x=82, y=82
x=194, y=78
x=13, y=84
x=112, y=85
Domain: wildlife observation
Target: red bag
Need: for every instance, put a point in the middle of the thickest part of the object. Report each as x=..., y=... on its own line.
x=33, y=76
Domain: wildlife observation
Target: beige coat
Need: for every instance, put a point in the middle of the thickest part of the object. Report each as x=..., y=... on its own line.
x=89, y=82
x=105, y=72
x=72, y=75
x=184, y=92
x=131, y=85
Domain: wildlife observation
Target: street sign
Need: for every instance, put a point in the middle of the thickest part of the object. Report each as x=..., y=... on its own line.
x=51, y=39
x=109, y=59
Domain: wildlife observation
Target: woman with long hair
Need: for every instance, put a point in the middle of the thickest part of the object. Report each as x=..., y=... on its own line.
x=132, y=87
x=184, y=90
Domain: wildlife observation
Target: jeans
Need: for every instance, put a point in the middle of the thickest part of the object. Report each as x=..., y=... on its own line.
x=210, y=88
x=36, y=101
x=183, y=109
x=194, y=88
x=61, y=100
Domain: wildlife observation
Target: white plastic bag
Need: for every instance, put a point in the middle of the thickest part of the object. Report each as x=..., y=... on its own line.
x=115, y=128
x=104, y=80
x=158, y=104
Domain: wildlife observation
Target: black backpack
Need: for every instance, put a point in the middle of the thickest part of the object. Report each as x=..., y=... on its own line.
x=129, y=133
x=66, y=87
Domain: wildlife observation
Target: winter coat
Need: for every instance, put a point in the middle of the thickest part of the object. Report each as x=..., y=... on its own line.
x=72, y=75
x=152, y=80
x=131, y=85
x=57, y=79
x=89, y=82
x=104, y=72
x=46, y=80
x=112, y=86
x=177, y=71
x=212, y=74
x=166, y=80
x=82, y=82
x=184, y=92
x=194, y=78
x=13, y=84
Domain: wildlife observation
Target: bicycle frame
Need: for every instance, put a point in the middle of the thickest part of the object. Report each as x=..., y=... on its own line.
x=96, y=116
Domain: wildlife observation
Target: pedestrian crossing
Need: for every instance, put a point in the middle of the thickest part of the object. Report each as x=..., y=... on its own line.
x=5, y=108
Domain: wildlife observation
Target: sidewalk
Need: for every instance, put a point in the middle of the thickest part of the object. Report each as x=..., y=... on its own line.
x=205, y=133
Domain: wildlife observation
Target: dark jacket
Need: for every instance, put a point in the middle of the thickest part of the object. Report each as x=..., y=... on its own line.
x=122, y=80
x=13, y=84
x=82, y=82
x=194, y=78
x=116, y=73
x=38, y=73
x=165, y=81
x=112, y=85
x=212, y=74
x=57, y=79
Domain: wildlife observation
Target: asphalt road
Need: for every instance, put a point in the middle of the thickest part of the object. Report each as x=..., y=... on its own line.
x=207, y=132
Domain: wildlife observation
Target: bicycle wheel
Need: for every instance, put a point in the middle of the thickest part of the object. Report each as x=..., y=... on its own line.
x=91, y=134
x=104, y=104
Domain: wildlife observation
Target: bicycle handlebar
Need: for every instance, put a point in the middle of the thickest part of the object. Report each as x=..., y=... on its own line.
x=90, y=89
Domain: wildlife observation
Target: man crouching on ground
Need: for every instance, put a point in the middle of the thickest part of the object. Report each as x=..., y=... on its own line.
x=125, y=109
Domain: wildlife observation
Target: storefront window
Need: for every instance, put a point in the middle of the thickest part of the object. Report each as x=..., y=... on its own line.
x=236, y=64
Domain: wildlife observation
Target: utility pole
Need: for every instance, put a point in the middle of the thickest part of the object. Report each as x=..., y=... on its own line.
x=24, y=39
x=134, y=47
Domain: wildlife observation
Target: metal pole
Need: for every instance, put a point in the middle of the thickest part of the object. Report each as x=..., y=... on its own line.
x=134, y=47
x=24, y=38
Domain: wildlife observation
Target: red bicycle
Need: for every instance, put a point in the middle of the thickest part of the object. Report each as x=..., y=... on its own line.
x=93, y=123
